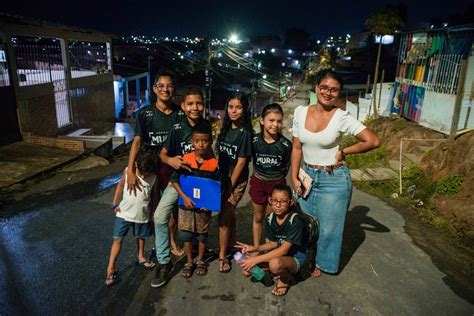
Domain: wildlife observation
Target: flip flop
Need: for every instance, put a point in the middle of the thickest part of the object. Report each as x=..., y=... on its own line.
x=222, y=263
x=280, y=290
x=147, y=264
x=111, y=278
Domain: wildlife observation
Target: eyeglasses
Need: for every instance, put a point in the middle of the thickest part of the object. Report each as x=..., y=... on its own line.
x=281, y=202
x=161, y=86
x=324, y=89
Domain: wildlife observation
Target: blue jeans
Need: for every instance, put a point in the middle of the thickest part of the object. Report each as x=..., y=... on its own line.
x=168, y=202
x=328, y=201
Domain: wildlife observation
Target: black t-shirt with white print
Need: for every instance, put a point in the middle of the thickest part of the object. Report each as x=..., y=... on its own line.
x=271, y=161
x=292, y=230
x=154, y=126
x=236, y=143
x=179, y=138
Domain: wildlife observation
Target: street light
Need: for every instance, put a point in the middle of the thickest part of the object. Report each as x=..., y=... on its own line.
x=234, y=38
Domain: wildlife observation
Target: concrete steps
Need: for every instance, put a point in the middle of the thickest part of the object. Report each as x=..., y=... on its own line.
x=373, y=174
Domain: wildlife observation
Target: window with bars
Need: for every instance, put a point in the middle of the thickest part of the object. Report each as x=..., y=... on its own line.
x=38, y=60
x=4, y=76
x=89, y=58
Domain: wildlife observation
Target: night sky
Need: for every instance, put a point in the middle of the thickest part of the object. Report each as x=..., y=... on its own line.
x=220, y=18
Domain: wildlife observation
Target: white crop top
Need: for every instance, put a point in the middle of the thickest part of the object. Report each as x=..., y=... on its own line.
x=320, y=148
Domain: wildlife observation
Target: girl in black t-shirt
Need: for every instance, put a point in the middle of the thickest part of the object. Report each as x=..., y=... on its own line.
x=234, y=146
x=271, y=161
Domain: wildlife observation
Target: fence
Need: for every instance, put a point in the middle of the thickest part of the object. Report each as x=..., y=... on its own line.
x=38, y=60
x=88, y=58
x=438, y=73
x=425, y=60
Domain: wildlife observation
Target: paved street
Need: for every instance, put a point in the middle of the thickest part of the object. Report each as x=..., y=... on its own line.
x=53, y=261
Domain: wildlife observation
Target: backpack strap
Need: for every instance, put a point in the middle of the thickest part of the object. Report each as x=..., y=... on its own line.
x=292, y=218
x=269, y=218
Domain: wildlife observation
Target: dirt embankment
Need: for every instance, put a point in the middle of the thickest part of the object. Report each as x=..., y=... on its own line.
x=438, y=160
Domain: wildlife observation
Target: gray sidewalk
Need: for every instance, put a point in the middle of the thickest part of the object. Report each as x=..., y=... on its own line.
x=22, y=161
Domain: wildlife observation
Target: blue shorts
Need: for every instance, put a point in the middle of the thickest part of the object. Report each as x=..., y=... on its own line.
x=184, y=235
x=300, y=259
x=121, y=227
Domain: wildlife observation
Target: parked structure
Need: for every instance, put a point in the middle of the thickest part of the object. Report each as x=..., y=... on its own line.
x=54, y=79
x=434, y=81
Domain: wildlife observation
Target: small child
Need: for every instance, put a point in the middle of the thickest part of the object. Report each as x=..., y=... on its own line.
x=132, y=213
x=194, y=222
x=286, y=241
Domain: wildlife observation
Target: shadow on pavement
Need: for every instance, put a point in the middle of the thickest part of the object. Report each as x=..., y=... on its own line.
x=357, y=222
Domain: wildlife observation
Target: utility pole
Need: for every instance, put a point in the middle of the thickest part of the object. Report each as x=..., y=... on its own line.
x=208, y=77
x=148, y=82
x=254, y=92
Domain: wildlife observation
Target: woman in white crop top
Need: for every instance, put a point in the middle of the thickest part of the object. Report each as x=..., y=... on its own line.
x=317, y=132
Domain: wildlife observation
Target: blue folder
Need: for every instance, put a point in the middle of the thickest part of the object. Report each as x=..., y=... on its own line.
x=205, y=193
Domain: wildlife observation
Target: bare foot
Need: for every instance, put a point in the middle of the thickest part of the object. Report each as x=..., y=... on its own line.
x=178, y=252
x=316, y=273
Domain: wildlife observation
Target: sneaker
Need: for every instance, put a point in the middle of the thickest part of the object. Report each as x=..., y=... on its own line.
x=163, y=274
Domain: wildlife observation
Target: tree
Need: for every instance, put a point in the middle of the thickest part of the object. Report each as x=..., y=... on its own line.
x=383, y=22
x=326, y=60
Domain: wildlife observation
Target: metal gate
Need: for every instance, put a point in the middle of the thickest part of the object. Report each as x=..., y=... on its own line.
x=40, y=60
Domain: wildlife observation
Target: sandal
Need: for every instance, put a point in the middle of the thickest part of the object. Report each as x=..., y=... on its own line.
x=111, y=278
x=201, y=268
x=187, y=270
x=224, y=265
x=146, y=264
x=280, y=290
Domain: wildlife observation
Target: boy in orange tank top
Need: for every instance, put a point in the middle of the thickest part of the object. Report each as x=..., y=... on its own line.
x=194, y=222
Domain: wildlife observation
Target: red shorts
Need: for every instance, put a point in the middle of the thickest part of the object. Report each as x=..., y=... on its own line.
x=260, y=190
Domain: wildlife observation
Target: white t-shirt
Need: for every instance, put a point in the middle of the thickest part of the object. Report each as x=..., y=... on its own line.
x=320, y=148
x=135, y=208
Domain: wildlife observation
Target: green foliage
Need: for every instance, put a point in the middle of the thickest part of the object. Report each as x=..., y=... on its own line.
x=326, y=60
x=449, y=185
x=348, y=140
x=375, y=158
x=414, y=175
x=384, y=22
x=368, y=120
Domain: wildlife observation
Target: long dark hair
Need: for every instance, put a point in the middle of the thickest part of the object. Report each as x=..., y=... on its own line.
x=270, y=108
x=244, y=121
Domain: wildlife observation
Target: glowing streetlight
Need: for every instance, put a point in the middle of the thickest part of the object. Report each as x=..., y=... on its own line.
x=234, y=38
